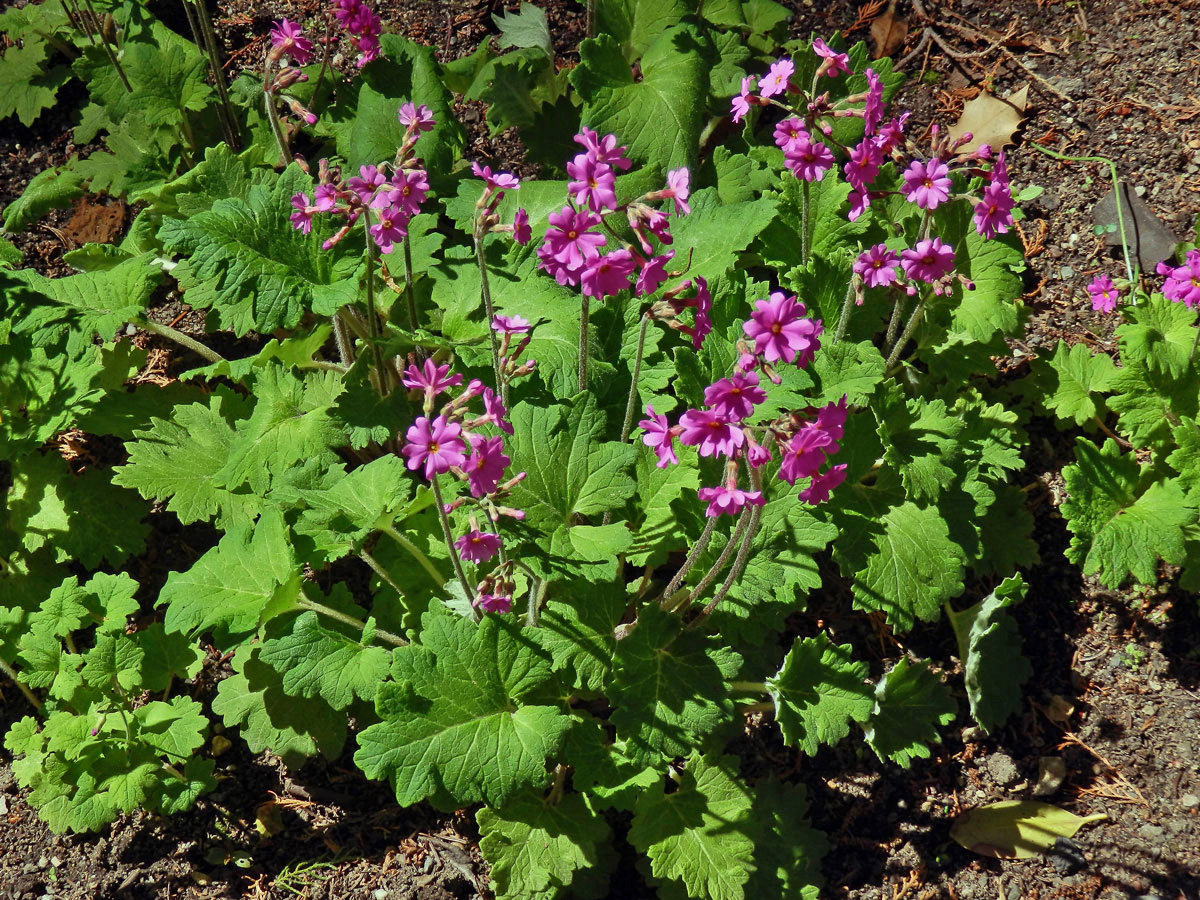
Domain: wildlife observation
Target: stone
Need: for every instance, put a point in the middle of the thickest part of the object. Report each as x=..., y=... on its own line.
x=1052, y=771
x=1150, y=832
x=1001, y=767
x=1189, y=801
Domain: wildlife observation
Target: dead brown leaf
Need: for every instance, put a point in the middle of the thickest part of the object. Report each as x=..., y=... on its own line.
x=95, y=223
x=990, y=120
x=888, y=31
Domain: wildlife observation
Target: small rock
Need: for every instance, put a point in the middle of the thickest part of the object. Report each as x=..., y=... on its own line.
x=1002, y=768
x=1178, y=824
x=1188, y=801
x=1066, y=272
x=1150, y=832
x=43, y=861
x=1052, y=771
x=1066, y=856
x=55, y=861
x=379, y=894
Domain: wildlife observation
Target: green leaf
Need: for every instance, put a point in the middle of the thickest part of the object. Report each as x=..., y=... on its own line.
x=364, y=416
x=831, y=230
x=527, y=27
x=27, y=86
x=1121, y=518
x=176, y=729
x=910, y=703
x=659, y=117
x=818, y=692
x=246, y=260
x=248, y=578
x=454, y=730
x=356, y=504
x=173, y=796
x=1185, y=459
x=49, y=189
x=175, y=461
x=1016, y=829
x=537, y=849
x=113, y=658
x=1070, y=378
x=317, y=662
x=293, y=728
x=166, y=656
x=636, y=24
x=788, y=850
x=700, y=835
x=1160, y=335
x=1149, y=402
x=992, y=307
x=576, y=628
x=847, y=370
x=989, y=645
x=922, y=441
x=669, y=687
x=659, y=530
x=719, y=232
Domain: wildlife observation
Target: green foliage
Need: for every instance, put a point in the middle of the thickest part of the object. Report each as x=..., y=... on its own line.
x=818, y=692
x=910, y=701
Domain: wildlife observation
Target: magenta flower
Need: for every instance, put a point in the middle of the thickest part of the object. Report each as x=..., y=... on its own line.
x=486, y=465
x=742, y=102
x=658, y=437
x=409, y=188
x=927, y=184
x=703, y=312
x=501, y=181
x=288, y=37
x=863, y=165
x=788, y=132
x=833, y=63
x=877, y=265
x=1104, y=294
x=364, y=184
x=777, y=78
x=736, y=396
x=993, y=213
x=430, y=378
x=821, y=486
x=478, y=546
x=930, y=260
x=678, y=181
x=603, y=149
x=520, y=226
x=804, y=453
x=808, y=160
x=832, y=420
x=728, y=500
x=510, y=324
x=568, y=239
x=780, y=331
x=859, y=201
x=437, y=445
x=325, y=197
x=873, y=107
x=659, y=226
x=1183, y=282
x=605, y=276
x=495, y=411
x=710, y=432
x=416, y=118
x=392, y=226
x=302, y=218
x=493, y=603
x=891, y=135
x=653, y=273
x=592, y=184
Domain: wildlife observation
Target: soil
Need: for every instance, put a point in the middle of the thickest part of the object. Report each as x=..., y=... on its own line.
x=1116, y=676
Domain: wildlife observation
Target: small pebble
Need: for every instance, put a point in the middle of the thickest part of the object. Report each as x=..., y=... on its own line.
x=1150, y=832
x=43, y=861
x=1067, y=856
x=1189, y=801
x=1066, y=272
x=1052, y=771
x=379, y=894
x=1002, y=768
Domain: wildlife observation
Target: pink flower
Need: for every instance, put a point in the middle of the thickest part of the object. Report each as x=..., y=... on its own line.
x=993, y=213
x=927, y=184
x=568, y=240
x=859, y=201
x=430, y=378
x=653, y=274
x=776, y=81
x=727, y=500
x=486, y=465
x=495, y=411
x=891, y=135
x=1104, y=294
x=437, y=445
x=325, y=197
x=877, y=266
x=592, y=183
x=392, y=225
x=873, y=108
x=703, y=312
x=510, y=324
x=863, y=165
x=736, y=396
x=833, y=62
x=302, y=218
x=478, y=546
x=408, y=190
x=416, y=118
x=365, y=183
x=288, y=37
x=930, y=260
x=605, y=276
x=678, y=190
x=603, y=149
x=780, y=331
x=521, y=231
x=788, y=132
x=804, y=453
x=808, y=160
x=1183, y=282
x=712, y=433
x=501, y=181
x=493, y=603
x=658, y=437
x=742, y=102
x=832, y=420
x=821, y=486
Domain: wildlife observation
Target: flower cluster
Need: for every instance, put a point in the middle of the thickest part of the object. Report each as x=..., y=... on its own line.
x=571, y=250
x=931, y=261
x=363, y=26
x=778, y=330
x=486, y=220
x=390, y=203
x=1183, y=282
x=451, y=440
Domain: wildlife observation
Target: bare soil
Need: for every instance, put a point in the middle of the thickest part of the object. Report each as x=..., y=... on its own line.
x=1117, y=674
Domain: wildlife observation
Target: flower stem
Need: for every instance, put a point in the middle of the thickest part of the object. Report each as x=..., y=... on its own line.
x=913, y=321
x=202, y=30
x=485, y=292
x=408, y=287
x=445, y=519
x=631, y=403
x=735, y=543
x=276, y=127
x=29, y=695
x=805, y=223
x=844, y=318
x=693, y=555
x=537, y=591
x=373, y=329
x=739, y=566
x=78, y=20
x=583, y=343
x=748, y=687
x=345, y=351
x=894, y=323
x=183, y=340
x=415, y=552
x=112, y=57
x=322, y=609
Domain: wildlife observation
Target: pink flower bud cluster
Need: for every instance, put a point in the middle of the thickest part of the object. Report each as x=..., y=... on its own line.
x=486, y=219
x=778, y=330
x=571, y=250
x=362, y=25
x=1183, y=282
x=392, y=202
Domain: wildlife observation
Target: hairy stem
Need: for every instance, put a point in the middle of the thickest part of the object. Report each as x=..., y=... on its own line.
x=408, y=287
x=77, y=20
x=112, y=57
x=739, y=565
x=445, y=519
x=734, y=543
x=913, y=321
x=805, y=222
x=29, y=695
x=749, y=687
x=583, y=343
x=345, y=352
x=485, y=291
x=847, y=309
x=416, y=553
x=336, y=615
x=202, y=30
x=276, y=127
x=894, y=322
x=537, y=591
x=373, y=329
x=631, y=403
x=183, y=340
x=693, y=555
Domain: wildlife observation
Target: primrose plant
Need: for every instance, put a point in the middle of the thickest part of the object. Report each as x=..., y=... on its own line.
x=538, y=495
